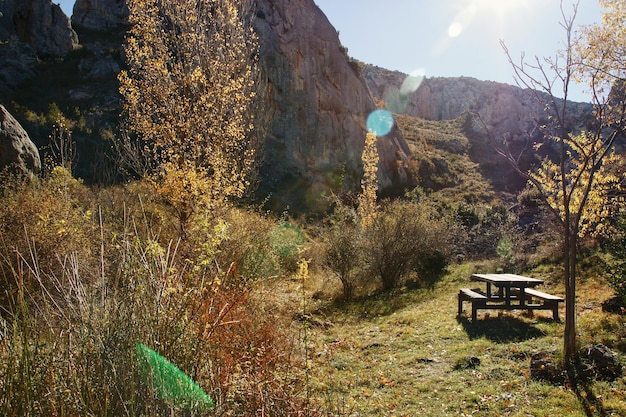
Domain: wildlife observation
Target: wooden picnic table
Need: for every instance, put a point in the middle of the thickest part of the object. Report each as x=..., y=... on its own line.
x=511, y=287
x=511, y=292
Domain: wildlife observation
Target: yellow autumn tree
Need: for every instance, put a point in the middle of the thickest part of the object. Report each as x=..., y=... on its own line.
x=369, y=184
x=578, y=185
x=189, y=94
x=601, y=57
x=586, y=199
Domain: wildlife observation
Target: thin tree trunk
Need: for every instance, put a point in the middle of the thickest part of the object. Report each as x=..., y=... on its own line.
x=570, y=299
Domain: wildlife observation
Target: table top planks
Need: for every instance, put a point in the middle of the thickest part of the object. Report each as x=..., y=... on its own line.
x=509, y=280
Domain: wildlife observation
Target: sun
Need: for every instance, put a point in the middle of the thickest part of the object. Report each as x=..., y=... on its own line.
x=502, y=8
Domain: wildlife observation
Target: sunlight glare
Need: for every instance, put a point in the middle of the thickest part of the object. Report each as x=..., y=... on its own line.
x=471, y=10
x=412, y=82
x=455, y=29
x=397, y=99
x=503, y=8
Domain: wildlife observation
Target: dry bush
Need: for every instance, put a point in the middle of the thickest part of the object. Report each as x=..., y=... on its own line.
x=248, y=245
x=405, y=238
x=255, y=365
x=43, y=224
x=343, y=251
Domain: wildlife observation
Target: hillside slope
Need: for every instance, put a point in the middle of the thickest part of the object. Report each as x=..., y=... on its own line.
x=508, y=111
x=442, y=155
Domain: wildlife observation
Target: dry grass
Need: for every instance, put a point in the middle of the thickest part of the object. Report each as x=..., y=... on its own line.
x=69, y=320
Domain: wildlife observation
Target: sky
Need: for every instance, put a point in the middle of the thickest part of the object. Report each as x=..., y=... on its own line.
x=452, y=38
x=449, y=38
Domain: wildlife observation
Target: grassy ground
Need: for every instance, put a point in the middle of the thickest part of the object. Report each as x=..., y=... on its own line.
x=407, y=354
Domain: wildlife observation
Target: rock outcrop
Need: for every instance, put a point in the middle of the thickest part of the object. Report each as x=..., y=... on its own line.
x=505, y=108
x=319, y=104
x=38, y=23
x=17, y=64
x=100, y=15
x=511, y=114
x=17, y=151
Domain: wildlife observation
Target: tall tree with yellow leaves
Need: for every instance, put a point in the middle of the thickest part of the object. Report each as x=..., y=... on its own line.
x=576, y=188
x=189, y=94
x=369, y=184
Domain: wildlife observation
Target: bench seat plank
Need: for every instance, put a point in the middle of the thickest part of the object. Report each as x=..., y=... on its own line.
x=472, y=294
x=482, y=302
x=478, y=301
x=542, y=295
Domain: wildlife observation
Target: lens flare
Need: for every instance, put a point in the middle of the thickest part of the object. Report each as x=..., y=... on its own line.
x=170, y=383
x=412, y=82
x=397, y=99
x=455, y=29
x=380, y=122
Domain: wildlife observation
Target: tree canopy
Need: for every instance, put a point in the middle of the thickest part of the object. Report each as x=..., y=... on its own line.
x=189, y=94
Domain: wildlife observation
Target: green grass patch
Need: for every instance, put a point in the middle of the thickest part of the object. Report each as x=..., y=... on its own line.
x=407, y=354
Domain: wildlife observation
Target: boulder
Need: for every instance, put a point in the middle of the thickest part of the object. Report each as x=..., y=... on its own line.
x=614, y=305
x=17, y=151
x=596, y=362
x=38, y=23
x=100, y=15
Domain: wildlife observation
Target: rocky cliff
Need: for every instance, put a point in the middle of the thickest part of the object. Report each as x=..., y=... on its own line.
x=30, y=29
x=505, y=108
x=511, y=114
x=17, y=151
x=318, y=98
x=100, y=15
x=319, y=103
x=38, y=23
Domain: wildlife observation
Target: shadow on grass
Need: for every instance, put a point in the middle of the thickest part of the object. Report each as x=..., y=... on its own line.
x=378, y=303
x=500, y=329
x=592, y=403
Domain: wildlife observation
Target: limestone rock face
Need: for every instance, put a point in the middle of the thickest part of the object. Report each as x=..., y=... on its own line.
x=502, y=106
x=38, y=23
x=318, y=105
x=100, y=14
x=17, y=151
x=505, y=108
x=17, y=64
x=511, y=113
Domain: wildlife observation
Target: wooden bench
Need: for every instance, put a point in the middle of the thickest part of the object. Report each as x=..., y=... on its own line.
x=549, y=302
x=477, y=299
